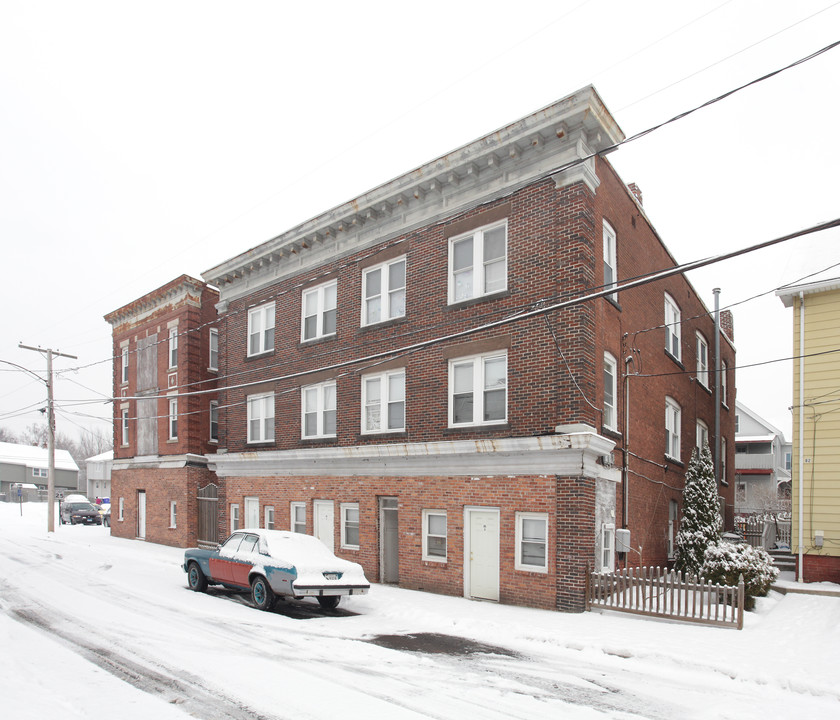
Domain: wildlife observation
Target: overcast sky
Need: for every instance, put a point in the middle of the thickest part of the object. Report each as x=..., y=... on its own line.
x=143, y=140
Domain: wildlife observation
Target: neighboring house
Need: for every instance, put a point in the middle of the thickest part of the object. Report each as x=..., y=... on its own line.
x=99, y=475
x=815, y=492
x=165, y=409
x=394, y=381
x=762, y=465
x=28, y=464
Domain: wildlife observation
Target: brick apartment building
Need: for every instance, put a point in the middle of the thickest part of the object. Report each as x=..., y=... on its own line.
x=165, y=411
x=414, y=377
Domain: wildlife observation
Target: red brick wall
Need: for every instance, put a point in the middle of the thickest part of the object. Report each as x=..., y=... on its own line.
x=820, y=568
x=161, y=487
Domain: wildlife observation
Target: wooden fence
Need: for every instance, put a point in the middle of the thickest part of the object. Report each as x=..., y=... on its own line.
x=764, y=532
x=657, y=592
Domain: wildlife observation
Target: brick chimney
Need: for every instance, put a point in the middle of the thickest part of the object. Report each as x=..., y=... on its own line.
x=636, y=192
x=727, y=325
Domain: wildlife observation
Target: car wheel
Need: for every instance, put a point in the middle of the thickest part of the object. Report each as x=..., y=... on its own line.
x=329, y=602
x=261, y=593
x=195, y=578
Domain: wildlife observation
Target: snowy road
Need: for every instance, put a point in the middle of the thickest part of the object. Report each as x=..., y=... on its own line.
x=90, y=625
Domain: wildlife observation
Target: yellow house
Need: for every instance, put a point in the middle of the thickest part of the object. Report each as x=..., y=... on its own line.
x=815, y=532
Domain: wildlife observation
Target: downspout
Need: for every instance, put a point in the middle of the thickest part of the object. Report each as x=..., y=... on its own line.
x=625, y=455
x=718, y=478
x=801, y=431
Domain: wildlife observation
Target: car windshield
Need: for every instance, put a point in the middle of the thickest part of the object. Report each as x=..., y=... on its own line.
x=80, y=506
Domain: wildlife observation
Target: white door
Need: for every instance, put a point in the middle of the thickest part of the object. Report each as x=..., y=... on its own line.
x=252, y=512
x=482, y=568
x=141, y=514
x=324, y=516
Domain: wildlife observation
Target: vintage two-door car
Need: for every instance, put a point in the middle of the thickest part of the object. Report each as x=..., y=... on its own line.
x=275, y=563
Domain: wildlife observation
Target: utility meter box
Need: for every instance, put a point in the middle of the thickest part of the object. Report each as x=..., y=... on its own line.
x=622, y=541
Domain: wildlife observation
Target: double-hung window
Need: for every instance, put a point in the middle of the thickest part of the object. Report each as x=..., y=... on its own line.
x=214, y=349
x=319, y=311
x=124, y=417
x=702, y=360
x=722, y=462
x=234, y=517
x=531, y=542
x=702, y=435
x=261, y=418
x=610, y=392
x=318, y=410
x=672, y=327
x=383, y=402
x=173, y=347
x=173, y=418
x=478, y=263
x=610, y=277
x=673, y=418
x=269, y=517
x=350, y=525
x=607, y=547
x=383, y=292
x=298, y=517
x=723, y=385
x=124, y=355
x=173, y=514
x=261, y=329
x=434, y=535
x=214, y=421
x=478, y=390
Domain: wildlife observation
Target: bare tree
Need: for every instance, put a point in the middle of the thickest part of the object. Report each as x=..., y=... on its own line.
x=8, y=436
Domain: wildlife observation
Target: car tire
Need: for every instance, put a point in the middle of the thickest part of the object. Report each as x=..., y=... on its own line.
x=261, y=593
x=195, y=578
x=329, y=602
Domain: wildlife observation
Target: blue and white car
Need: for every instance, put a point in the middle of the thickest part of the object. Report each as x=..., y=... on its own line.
x=275, y=564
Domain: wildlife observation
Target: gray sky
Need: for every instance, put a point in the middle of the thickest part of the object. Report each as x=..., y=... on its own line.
x=140, y=141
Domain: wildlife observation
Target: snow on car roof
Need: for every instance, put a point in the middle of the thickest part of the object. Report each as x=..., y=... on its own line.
x=305, y=552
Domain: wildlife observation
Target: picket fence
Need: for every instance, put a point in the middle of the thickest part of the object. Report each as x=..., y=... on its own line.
x=658, y=592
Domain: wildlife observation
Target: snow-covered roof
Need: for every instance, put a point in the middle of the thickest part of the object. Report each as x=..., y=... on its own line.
x=102, y=457
x=35, y=457
x=755, y=438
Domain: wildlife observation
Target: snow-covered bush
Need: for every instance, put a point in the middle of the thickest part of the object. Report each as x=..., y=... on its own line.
x=700, y=526
x=724, y=562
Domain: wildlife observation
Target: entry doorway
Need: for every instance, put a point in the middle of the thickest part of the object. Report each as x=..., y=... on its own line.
x=141, y=514
x=323, y=516
x=252, y=512
x=389, y=540
x=481, y=540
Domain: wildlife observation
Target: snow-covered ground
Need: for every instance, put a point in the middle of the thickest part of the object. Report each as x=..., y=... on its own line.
x=97, y=627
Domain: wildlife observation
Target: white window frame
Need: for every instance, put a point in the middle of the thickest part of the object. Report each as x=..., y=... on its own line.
x=427, y=535
x=391, y=300
x=173, y=514
x=673, y=422
x=213, y=356
x=723, y=461
x=724, y=385
x=294, y=525
x=235, y=520
x=701, y=434
x=607, y=547
x=319, y=293
x=673, y=328
x=519, y=563
x=478, y=363
x=673, y=519
x=261, y=330
x=610, y=261
x=124, y=422
x=269, y=517
x=173, y=418
x=320, y=393
x=121, y=510
x=124, y=356
x=384, y=402
x=214, y=421
x=702, y=360
x=261, y=409
x=346, y=523
x=610, y=417
x=40, y=472
x=479, y=266
x=173, y=347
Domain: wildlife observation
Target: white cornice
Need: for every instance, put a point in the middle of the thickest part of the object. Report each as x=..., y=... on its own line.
x=570, y=455
x=159, y=462
x=489, y=168
x=789, y=294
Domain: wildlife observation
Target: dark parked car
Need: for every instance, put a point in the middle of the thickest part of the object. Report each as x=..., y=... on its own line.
x=275, y=563
x=79, y=513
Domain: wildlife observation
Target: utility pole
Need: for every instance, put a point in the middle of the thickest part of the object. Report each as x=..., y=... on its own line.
x=51, y=429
